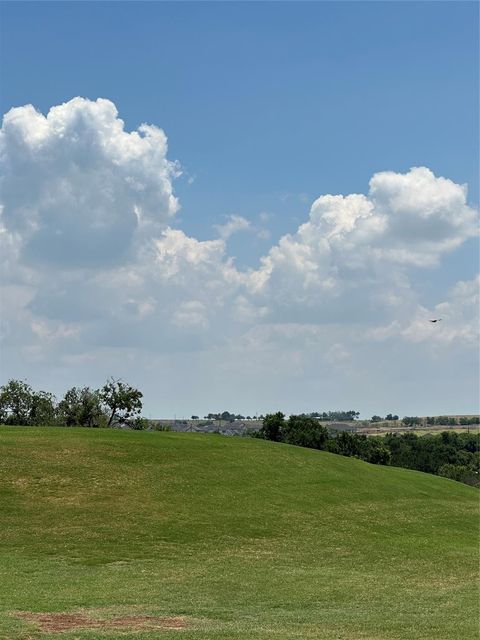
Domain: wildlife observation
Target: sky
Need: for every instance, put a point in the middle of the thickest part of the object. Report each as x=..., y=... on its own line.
x=243, y=206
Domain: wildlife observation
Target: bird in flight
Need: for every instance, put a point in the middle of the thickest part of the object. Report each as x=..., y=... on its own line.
x=436, y=320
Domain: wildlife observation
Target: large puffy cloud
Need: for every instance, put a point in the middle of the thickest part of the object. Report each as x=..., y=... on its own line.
x=77, y=189
x=425, y=215
x=92, y=266
x=352, y=257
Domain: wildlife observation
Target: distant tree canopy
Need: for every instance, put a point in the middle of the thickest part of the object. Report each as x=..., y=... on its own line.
x=450, y=454
x=410, y=421
x=301, y=430
x=360, y=446
x=117, y=402
x=433, y=453
x=334, y=415
x=224, y=415
x=274, y=426
x=305, y=431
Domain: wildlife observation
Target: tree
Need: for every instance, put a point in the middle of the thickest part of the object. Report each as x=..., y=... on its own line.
x=410, y=421
x=16, y=398
x=461, y=473
x=376, y=419
x=273, y=426
x=343, y=415
x=140, y=424
x=43, y=408
x=122, y=400
x=81, y=408
x=389, y=416
x=304, y=431
x=194, y=418
x=376, y=452
x=347, y=444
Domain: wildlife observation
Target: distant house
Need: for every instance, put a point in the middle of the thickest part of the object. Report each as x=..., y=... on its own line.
x=338, y=427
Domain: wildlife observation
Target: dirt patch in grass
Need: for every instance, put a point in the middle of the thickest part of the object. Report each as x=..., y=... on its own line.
x=58, y=622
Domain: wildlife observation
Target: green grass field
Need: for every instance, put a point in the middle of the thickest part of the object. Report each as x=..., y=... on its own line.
x=235, y=538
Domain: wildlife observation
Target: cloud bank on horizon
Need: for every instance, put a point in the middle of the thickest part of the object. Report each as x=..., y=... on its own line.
x=95, y=268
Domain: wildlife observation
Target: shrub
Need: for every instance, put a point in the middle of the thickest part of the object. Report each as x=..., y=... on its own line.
x=139, y=424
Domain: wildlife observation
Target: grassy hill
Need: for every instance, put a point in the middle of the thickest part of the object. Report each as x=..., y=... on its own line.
x=226, y=538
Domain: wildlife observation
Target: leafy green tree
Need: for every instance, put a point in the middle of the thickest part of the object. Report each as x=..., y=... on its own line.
x=449, y=437
x=461, y=473
x=16, y=398
x=336, y=415
x=305, y=431
x=43, y=409
x=470, y=441
x=410, y=421
x=81, y=408
x=348, y=444
x=446, y=420
x=140, y=424
x=376, y=452
x=273, y=426
x=123, y=401
x=376, y=419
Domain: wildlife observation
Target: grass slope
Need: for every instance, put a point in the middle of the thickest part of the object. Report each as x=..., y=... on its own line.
x=244, y=538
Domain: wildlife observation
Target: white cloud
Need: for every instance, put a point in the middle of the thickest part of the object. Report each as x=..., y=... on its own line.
x=426, y=215
x=91, y=264
x=77, y=189
x=353, y=255
x=233, y=225
x=458, y=318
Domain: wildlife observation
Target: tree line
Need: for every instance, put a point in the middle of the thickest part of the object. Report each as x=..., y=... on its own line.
x=226, y=416
x=352, y=416
x=115, y=404
x=449, y=454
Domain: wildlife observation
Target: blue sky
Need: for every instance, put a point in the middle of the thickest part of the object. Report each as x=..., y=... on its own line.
x=267, y=106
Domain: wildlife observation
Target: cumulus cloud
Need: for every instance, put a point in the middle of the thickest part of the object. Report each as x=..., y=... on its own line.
x=426, y=215
x=79, y=190
x=355, y=250
x=91, y=263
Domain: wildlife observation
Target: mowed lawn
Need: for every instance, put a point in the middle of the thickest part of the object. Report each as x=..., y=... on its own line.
x=235, y=538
